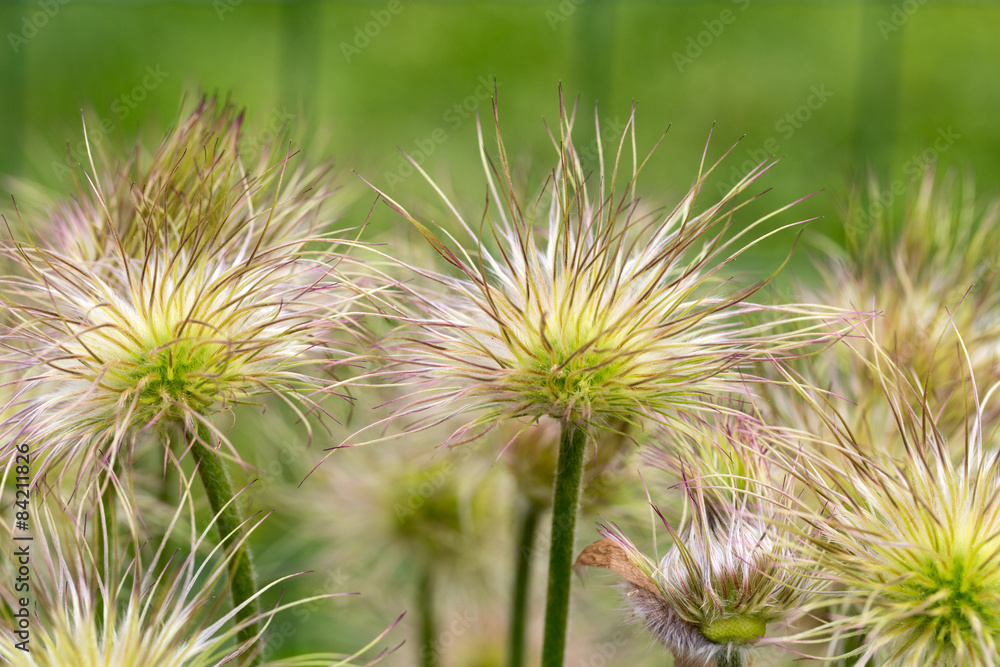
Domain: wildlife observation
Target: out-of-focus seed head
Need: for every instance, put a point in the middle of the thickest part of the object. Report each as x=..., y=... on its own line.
x=196, y=185
x=733, y=567
x=532, y=457
x=411, y=523
x=930, y=273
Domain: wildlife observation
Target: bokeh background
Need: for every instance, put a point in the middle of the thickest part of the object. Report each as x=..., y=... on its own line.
x=841, y=90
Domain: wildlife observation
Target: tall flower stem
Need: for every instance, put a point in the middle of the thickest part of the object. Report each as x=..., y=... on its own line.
x=519, y=607
x=728, y=658
x=105, y=544
x=219, y=489
x=565, y=503
x=428, y=629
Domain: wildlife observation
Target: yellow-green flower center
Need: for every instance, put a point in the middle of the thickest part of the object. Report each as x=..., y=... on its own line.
x=581, y=374
x=576, y=372
x=735, y=630
x=179, y=377
x=960, y=600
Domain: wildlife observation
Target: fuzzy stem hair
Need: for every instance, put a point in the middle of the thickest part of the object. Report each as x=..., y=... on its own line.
x=219, y=489
x=519, y=605
x=565, y=504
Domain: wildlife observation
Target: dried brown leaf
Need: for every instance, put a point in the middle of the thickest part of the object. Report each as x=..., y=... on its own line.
x=611, y=556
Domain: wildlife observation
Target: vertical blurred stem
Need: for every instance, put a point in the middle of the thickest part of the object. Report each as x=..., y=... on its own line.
x=428, y=627
x=109, y=501
x=595, y=41
x=219, y=489
x=301, y=41
x=565, y=502
x=165, y=493
x=519, y=608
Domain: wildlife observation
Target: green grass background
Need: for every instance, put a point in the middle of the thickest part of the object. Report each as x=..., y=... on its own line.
x=897, y=74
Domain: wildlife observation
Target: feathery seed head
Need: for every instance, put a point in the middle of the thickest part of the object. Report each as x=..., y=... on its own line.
x=931, y=273
x=410, y=524
x=405, y=510
x=131, y=605
x=582, y=304
x=197, y=190
x=912, y=540
x=732, y=568
x=192, y=305
x=134, y=604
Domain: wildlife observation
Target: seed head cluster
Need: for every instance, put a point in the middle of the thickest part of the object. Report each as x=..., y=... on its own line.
x=852, y=516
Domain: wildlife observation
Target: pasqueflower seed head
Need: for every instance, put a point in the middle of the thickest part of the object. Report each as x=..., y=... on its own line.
x=193, y=315
x=931, y=273
x=196, y=185
x=912, y=542
x=582, y=304
x=733, y=567
x=132, y=604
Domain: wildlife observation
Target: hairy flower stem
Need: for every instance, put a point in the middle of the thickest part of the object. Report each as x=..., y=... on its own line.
x=519, y=608
x=565, y=503
x=428, y=627
x=729, y=658
x=219, y=489
x=109, y=500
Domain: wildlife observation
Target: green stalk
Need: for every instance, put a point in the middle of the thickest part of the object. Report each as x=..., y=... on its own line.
x=428, y=631
x=565, y=503
x=519, y=608
x=219, y=489
x=729, y=658
x=109, y=500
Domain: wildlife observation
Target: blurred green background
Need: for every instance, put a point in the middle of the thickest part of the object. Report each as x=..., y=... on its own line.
x=834, y=87
x=838, y=89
